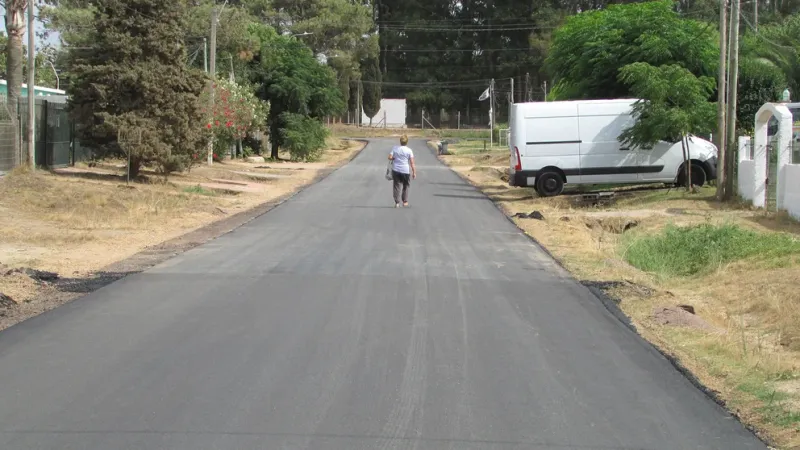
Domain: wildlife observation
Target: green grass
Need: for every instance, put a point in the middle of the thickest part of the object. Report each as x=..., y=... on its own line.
x=199, y=190
x=701, y=249
x=774, y=401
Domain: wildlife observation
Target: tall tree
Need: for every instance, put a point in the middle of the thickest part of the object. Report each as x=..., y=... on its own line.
x=590, y=49
x=294, y=82
x=371, y=97
x=131, y=78
x=15, y=27
x=673, y=103
x=340, y=32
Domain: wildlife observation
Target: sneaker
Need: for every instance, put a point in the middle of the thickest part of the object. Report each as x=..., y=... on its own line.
x=405, y=204
x=397, y=205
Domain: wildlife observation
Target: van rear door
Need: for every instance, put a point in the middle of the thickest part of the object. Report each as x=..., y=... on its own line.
x=552, y=138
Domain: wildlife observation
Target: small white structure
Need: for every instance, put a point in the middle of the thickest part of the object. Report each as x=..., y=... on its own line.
x=753, y=166
x=391, y=115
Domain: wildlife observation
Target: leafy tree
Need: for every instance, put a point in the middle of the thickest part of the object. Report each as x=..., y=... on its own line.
x=293, y=81
x=778, y=44
x=130, y=78
x=235, y=45
x=372, y=89
x=759, y=82
x=673, y=104
x=339, y=30
x=588, y=52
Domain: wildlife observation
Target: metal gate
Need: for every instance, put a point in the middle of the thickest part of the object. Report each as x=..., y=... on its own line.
x=772, y=177
x=8, y=157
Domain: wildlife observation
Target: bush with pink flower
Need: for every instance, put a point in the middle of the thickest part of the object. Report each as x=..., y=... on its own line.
x=236, y=113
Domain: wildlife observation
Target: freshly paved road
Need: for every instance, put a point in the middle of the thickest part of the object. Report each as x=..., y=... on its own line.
x=336, y=322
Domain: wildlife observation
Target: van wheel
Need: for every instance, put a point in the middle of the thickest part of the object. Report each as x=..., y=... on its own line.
x=549, y=184
x=699, y=176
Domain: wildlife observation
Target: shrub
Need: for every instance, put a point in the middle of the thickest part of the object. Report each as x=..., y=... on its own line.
x=303, y=137
x=697, y=250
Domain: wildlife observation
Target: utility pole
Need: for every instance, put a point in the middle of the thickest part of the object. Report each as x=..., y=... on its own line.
x=31, y=91
x=755, y=15
x=512, y=90
x=213, y=72
x=527, y=87
x=358, y=106
x=205, y=55
x=722, y=137
x=733, y=82
x=491, y=114
x=545, y=90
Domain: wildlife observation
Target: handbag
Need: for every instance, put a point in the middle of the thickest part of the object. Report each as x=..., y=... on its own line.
x=389, y=171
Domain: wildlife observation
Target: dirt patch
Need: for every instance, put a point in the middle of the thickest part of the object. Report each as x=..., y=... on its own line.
x=677, y=316
x=106, y=231
x=616, y=225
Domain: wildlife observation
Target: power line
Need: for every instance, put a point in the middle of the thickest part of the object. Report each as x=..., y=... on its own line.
x=441, y=50
x=465, y=29
x=761, y=36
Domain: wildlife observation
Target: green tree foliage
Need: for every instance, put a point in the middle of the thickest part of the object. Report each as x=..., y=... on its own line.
x=341, y=31
x=588, y=52
x=127, y=79
x=778, y=44
x=673, y=103
x=293, y=81
x=372, y=88
x=44, y=74
x=759, y=82
x=235, y=45
x=303, y=136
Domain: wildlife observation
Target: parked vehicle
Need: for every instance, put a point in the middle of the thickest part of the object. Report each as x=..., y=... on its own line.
x=576, y=142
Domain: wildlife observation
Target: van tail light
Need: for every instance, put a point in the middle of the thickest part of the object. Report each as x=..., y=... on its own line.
x=518, y=166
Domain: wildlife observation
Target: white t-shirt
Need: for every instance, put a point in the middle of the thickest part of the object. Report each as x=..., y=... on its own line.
x=402, y=159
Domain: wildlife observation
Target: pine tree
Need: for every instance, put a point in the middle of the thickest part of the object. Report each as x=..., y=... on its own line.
x=132, y=78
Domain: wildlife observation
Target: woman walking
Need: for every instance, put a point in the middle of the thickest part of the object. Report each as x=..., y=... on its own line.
x=403, y=171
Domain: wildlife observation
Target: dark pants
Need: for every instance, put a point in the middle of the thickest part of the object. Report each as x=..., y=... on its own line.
x=401, y=183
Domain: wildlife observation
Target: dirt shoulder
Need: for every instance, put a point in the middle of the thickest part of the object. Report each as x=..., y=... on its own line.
x=714, y=287
x=69, y=232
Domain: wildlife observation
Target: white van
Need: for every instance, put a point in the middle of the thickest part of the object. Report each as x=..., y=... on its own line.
x=576, y=142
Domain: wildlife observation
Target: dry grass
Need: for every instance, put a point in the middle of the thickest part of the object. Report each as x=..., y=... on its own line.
x=77, y=221
x=752, y=355
x=352, y=131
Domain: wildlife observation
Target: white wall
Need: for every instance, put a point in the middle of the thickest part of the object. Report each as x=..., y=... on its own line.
x=791, y=190
x=746, y=178
x=393, y=109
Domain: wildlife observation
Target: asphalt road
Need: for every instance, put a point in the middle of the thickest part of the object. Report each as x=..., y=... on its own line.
x=336, y=322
